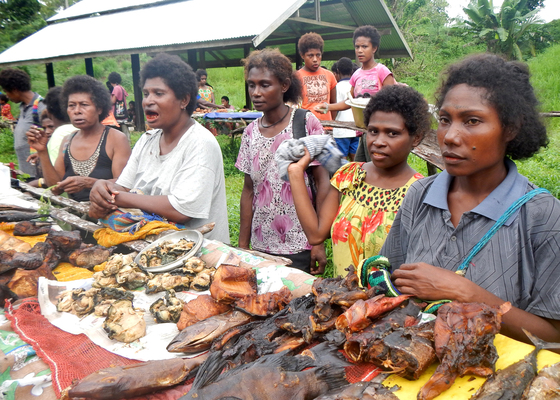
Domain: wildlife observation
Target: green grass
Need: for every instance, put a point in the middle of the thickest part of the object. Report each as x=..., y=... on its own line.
x=7, y=153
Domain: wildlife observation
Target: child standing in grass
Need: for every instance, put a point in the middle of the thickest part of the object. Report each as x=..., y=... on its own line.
x=364, y=198
x=319, y=84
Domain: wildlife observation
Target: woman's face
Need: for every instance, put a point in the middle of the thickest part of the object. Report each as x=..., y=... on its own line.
x=162, y=108
x=82, y=110
x=48, y=126
x=266, y=91
x=388, y=139
x=470, y=133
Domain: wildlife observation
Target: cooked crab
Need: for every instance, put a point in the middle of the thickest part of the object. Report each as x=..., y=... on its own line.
x=168, y=308
x=193, y=265
x=124, y=323
x=203, y=279
x=161, y=282
x=131, y=276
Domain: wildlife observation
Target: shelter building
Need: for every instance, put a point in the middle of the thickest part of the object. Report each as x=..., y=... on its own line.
x=90, y=28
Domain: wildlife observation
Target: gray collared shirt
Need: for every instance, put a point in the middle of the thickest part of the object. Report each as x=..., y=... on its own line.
x=520, y=264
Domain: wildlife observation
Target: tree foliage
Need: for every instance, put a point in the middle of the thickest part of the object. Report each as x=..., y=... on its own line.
x=508, y=32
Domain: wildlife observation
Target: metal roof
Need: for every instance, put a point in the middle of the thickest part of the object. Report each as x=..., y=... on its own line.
x=222, y=28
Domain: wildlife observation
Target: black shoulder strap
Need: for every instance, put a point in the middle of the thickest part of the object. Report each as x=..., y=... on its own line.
x=298, y=124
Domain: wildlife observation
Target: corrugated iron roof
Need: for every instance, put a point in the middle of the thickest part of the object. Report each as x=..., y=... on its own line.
x=221, y=27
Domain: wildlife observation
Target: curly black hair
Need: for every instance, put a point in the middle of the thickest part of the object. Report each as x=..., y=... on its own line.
x=55, y=107
x=15, y=79
x=310, y=41
x=4, y=98
x=509, y=91
x=370, y=32
x=405, y=101
x=345, y=67
x=200, y=73
x=176, y=74
x=334, y=68
x=280, y=66
x=114, y=77
x=86, y=84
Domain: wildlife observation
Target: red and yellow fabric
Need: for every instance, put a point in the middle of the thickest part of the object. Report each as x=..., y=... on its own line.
x=364, y=217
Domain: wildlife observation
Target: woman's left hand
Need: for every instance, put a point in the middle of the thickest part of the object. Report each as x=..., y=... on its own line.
x=303, y=162
x=74, y=184
x=431, y=283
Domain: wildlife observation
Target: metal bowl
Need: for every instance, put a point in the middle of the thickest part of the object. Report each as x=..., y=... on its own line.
x=194, y=236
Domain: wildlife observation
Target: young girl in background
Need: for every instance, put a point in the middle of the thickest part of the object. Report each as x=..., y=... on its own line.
x=364, y=197
x=268, y=216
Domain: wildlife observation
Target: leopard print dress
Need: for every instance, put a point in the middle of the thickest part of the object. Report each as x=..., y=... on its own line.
x=364, y=217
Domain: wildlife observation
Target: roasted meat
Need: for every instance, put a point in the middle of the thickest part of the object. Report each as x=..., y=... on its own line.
x=64, y=241
x=464, y=335
x=11, y=259
x=48, y=252
x=15, y=216
x=27, y=228
x=358, y=344
x=204, y=306
x=362, y=313
x=6, y=294
x=340, y=291
x=24, y=282
x=265, y=304
x=89, y=257
x=8, y=242
x=297, y=317
x=231, y=283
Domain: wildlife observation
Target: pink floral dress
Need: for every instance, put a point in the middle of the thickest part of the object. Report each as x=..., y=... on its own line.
x=275, y=226
x=364, y=216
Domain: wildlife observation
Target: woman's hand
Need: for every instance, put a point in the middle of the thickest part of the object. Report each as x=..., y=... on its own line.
x=33, y=158
x=37, y=138
x=74, y=184
x=302, y=164
x=102, y=196
x=432, y=283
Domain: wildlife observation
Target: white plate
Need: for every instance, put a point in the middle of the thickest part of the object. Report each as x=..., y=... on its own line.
x=194, y=236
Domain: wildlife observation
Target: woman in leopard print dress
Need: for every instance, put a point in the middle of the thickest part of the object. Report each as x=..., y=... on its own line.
x=365, y=197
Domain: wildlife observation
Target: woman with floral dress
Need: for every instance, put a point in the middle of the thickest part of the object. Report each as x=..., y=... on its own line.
x=268, y=217
x=365, y=197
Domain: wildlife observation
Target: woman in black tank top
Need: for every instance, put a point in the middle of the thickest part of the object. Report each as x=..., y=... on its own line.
x=92, y=152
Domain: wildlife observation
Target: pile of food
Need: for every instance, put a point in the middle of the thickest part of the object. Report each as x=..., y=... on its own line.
x=165, y=253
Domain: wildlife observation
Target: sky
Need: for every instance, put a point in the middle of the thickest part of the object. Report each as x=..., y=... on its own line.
x=550, y=11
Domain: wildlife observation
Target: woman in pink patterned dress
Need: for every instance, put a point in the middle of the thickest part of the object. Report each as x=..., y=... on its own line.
x=268, y=217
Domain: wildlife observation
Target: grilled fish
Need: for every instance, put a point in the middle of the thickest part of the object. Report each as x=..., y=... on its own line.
x=272, y=377
x=510, y=383
x=546, y=386
x=135, y=380
x=199, y=337
x=16, y=216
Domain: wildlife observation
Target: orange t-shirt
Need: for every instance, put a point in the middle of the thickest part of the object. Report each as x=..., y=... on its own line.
x=317, y=88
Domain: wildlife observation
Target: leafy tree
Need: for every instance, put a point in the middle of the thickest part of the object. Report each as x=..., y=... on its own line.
x=51, y=7
x=507, y=32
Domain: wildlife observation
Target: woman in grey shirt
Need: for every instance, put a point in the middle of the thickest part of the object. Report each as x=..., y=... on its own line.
x=487, y=111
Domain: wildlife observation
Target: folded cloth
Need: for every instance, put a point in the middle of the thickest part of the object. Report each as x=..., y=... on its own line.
x=321, y=148
x=108, y=237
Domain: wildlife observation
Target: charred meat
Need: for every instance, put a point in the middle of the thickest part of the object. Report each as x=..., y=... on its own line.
x=265, y=304
x=231, y=283
x=200, y=308
x=27, y=228
x=89, y=257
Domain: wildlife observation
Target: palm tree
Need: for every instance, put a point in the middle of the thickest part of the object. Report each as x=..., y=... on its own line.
x=506, y=32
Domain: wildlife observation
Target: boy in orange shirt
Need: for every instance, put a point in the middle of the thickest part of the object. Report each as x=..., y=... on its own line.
x=319, y=84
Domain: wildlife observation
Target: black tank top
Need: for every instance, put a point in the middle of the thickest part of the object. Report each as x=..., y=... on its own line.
x=102, y=169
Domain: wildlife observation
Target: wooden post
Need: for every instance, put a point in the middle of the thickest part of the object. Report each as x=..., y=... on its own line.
x=135, y=64
x=50, y=75
x=191, y=57
x=202, y=57
x=89, y=67
x=246, y=51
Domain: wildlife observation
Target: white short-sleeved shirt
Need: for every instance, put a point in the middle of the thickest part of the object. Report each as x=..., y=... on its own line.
x=191, y=175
